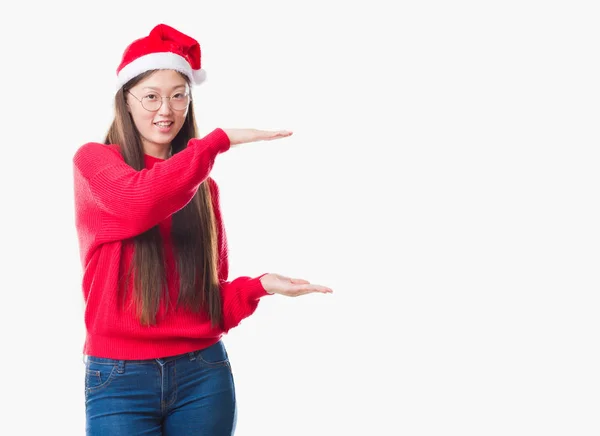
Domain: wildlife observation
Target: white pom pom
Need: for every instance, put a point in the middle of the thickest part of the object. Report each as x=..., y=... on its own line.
x=199, y=76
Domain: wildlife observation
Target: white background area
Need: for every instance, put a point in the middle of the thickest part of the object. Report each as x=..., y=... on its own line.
x=442, y=178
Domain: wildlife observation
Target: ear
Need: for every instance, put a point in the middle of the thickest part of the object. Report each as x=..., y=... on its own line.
x=126, y=98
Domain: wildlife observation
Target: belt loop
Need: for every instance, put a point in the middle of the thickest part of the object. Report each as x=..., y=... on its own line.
x=121, y=367
x=192, y=356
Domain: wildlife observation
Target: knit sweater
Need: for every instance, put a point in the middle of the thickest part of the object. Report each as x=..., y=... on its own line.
x=113, y=203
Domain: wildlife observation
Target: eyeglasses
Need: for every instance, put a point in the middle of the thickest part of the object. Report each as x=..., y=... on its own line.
x=153, y=102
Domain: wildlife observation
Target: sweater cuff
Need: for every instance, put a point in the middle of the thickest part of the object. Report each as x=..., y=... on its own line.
x=255, y=288
x=216, y=139
x=221, y=138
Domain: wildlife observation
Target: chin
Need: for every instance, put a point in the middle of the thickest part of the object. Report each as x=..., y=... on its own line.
x=166, y=141
x=159, y=140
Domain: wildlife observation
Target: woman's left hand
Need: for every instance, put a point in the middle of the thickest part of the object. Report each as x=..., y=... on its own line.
x=290, y=287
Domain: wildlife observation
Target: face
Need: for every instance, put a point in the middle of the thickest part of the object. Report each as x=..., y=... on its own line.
x=158, y=127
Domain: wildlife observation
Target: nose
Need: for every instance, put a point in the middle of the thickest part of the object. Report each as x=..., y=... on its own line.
x=165, y=107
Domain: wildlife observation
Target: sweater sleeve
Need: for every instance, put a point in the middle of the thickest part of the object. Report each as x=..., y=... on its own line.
x=129, y=202
x=240, y=296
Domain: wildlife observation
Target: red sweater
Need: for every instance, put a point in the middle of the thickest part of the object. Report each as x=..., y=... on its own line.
x=114, y=202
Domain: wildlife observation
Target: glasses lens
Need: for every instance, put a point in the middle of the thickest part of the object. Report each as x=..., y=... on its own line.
x=179, y=101
x=151, y=103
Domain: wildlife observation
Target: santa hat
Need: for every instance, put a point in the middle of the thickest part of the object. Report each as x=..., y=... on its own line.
x=164, y=48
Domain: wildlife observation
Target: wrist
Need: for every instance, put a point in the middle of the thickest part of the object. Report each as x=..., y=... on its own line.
x=262, y=282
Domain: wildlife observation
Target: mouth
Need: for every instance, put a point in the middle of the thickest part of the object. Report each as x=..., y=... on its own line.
x=164, y=126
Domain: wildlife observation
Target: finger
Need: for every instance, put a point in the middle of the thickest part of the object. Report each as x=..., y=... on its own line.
x=320, y=288
x=275, y=135
x=312, y=288
x=282, y=132
x=304, y=292
x=298, y=292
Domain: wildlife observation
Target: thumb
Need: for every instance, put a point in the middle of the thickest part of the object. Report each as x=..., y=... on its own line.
x=300, y=281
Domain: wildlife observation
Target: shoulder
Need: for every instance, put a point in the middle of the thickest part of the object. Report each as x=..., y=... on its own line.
x=95, y=149
x=94, y=155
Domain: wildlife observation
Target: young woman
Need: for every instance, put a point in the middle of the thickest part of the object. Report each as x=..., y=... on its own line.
x=154, y=254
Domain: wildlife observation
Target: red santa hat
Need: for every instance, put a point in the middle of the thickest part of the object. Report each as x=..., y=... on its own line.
x=163, y=48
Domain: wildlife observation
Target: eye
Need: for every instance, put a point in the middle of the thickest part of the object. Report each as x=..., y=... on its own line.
x=151, y=97
x=179, y=96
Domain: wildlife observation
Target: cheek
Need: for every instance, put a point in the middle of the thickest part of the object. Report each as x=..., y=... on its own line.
x=181, y=118
x=141, y=118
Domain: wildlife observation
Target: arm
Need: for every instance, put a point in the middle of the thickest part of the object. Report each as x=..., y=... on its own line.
x=127, y=202
x=240, y=296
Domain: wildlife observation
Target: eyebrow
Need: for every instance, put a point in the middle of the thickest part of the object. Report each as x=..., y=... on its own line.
x=158, y=89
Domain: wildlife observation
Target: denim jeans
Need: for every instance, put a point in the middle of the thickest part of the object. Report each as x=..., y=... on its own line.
x=190, y=394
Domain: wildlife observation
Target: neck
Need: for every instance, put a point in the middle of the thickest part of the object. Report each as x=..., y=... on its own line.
x=157, y=150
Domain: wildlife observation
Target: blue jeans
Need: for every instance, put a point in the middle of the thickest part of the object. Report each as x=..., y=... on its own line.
x=190, y=394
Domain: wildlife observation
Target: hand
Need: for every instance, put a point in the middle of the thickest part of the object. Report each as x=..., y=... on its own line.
x=243, y=136
x=278, y=284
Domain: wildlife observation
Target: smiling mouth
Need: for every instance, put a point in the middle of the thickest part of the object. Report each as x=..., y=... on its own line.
x=163, y=123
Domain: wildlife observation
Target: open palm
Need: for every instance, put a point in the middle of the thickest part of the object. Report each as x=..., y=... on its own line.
x=244, y=136
x=291, y=287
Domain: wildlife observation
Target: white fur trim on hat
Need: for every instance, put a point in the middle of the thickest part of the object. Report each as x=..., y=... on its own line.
x=159, y=61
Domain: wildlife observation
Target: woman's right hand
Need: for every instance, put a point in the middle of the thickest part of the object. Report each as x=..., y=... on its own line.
x=243, y=136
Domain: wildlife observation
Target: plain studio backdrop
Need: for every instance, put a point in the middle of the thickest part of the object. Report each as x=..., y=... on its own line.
x=442, y=178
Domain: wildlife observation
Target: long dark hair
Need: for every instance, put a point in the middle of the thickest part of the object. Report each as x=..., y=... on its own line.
x=193, y=231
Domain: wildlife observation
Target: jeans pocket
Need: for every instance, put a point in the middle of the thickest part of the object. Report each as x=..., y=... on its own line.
x=213, y=356
x=98, y=375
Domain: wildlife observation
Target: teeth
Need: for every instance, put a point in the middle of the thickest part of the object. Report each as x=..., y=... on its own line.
x=167, y=124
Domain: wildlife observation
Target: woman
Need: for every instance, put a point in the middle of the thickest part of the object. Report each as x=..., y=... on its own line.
x=154, y=254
